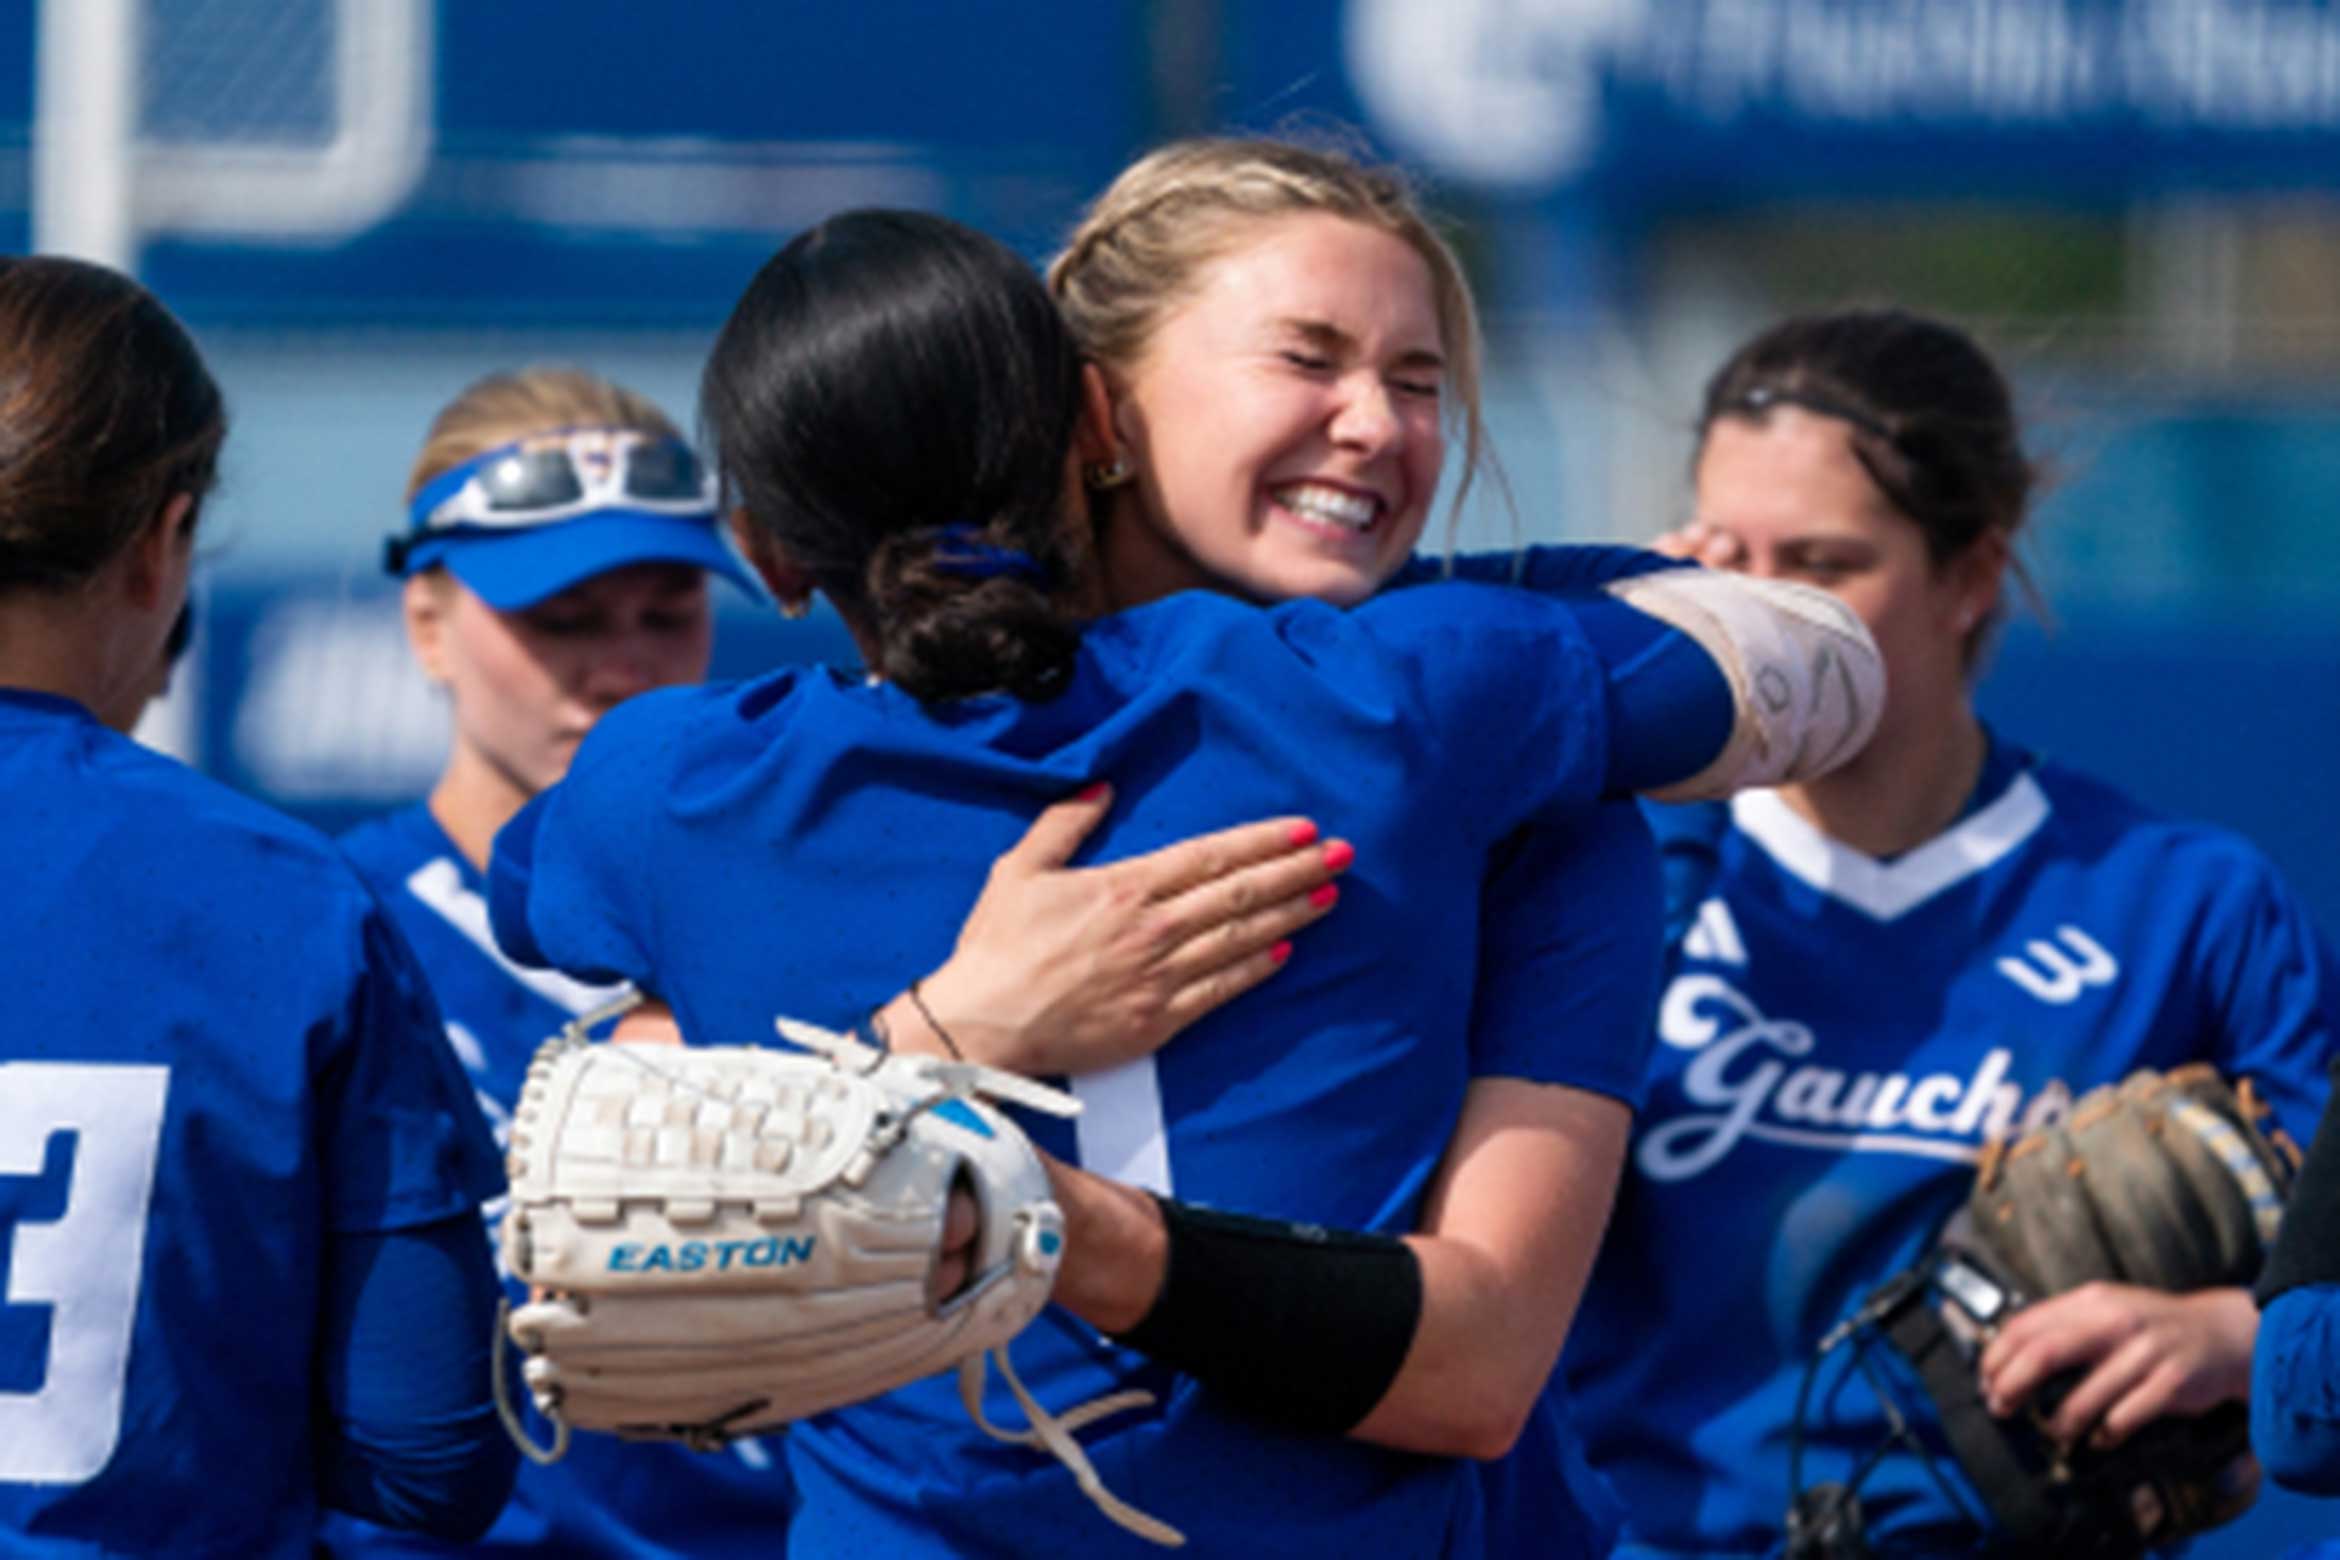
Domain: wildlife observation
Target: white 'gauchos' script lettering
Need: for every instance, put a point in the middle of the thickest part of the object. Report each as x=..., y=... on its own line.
x=1747, y=1077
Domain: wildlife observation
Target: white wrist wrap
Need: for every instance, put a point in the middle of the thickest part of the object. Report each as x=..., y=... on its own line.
x=1807, y=683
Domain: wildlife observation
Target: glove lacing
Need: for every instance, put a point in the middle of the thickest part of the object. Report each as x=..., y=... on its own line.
x=1055, y=1433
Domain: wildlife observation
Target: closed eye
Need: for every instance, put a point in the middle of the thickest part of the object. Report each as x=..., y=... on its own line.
x=1821, y=570
x=564, y=626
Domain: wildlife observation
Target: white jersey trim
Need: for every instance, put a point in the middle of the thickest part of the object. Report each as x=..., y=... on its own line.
x=1885, y=890
x=439, y=884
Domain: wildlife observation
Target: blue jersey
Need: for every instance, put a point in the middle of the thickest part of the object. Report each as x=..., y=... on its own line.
x=1571, y=944
x=1572, y=908
x=1570, y=947
x=804, y=843
x=607, y=1497
x=2295, y=1389
x=1838, y=1035
x=219, y=1058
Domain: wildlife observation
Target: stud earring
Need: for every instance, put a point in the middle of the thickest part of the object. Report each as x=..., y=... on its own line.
x=1103, y=476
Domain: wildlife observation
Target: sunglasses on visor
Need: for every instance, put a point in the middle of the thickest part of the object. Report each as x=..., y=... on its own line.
x=558, y=476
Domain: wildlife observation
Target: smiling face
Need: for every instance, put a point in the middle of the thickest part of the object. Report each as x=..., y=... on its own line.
x=1283, y=421
x=528, y=685
x=1787, y=498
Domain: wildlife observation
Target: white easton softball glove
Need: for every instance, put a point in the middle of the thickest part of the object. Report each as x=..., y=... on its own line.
x=722, y=1239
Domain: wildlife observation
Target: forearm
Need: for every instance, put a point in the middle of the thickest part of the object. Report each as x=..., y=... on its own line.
x=1439, y=1343
x=1480, y=1357
x=1117, y=1248
x=1507, y=1246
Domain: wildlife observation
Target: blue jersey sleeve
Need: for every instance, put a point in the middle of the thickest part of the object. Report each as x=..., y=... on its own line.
x=397, y=1126
x=1670, y=705
x=2274, y=1012
x=1505, y=686
x=560, y=877
x=511, y=867
x=2295, y=1390
x=1578, y=569
x=1571, y=955
x=410, y=1437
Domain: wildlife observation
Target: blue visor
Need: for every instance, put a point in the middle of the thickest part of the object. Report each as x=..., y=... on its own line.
x=514, y=567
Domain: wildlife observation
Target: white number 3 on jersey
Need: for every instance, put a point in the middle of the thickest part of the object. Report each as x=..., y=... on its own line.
x=85, y=1263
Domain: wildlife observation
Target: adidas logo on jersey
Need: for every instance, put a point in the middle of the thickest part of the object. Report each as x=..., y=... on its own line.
x=1748, y=1091
x=1714, y=936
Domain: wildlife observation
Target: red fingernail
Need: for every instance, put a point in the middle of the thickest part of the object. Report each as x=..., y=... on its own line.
x=1323, y=896
x=1280, y=952
x=1091, y=793
x=1339, y=854
x=1303, y=832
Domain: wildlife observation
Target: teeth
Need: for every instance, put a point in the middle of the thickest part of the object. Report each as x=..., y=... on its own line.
x=1353, y=510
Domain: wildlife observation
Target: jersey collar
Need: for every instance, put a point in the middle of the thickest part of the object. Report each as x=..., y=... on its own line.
x=1885, y=890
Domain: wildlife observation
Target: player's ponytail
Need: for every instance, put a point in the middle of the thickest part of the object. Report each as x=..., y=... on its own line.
x=892, y=405
x=106, y=413
x=969, y=609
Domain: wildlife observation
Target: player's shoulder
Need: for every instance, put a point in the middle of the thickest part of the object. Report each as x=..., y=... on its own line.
x=2092, y=814
x=649, y=736
x=1217, y=647
x=210, y=831
x=1185, y=623
x=675, y=752
x=1466, y=621
x=665, y=712
x=387, y=847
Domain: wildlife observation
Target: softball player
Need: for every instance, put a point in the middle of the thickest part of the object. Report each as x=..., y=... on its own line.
x=1429, y=723
x=1946, y=938
x=557, y=560
x=1279, y=341
x=239, y=1175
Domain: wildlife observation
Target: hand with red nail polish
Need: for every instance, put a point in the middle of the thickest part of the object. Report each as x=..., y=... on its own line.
x=1064, y=969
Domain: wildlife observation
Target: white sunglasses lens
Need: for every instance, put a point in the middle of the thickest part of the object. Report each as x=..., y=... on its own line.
x=530, y=479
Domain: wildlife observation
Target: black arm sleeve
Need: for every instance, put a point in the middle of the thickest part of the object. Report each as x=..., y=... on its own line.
x=1292, y=1323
